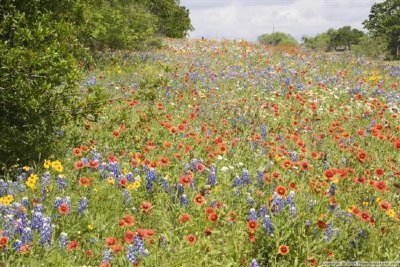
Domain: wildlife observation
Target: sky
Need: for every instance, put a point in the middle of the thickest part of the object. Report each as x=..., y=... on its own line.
x=248, y=19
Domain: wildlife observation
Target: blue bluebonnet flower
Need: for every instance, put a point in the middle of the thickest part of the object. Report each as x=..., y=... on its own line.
x=57, y=202
x=267, y=224
x=82, y=205
x=163, y=241
x=129, y=176
x=254, y=263
x=212, y=177
x=293, y=156
x=38, y=208
x=17, y=245
x=260, y=178
x=139, y=246
x=277, y=204
x=264, y=131
x=328, y=232
x=245, y=177
x=332, y=189
x=184, y=200
x=164, y=184
x=150, y=180
x=237, y=182
x=25, y=202
x=63, y=240
x=107, y=256
x=262, y=211
x=252, y=215
x=27, y=235
x=37, y=221
x=46, y=232
x=131, y=254
x=61, y=182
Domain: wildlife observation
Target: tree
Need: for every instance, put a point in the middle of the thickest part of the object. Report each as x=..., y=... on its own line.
x=277, y=38
x=384, y=22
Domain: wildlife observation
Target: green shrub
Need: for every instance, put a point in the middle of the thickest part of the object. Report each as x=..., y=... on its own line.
x=38, y=79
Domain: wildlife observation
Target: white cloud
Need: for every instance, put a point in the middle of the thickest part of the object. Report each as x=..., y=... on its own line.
x=251, y=18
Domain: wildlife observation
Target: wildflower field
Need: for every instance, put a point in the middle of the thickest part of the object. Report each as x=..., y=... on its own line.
x=218, y=153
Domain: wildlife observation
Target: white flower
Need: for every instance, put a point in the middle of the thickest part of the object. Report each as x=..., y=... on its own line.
x=224, y=169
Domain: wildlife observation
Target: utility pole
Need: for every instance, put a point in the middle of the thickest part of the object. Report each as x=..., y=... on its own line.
x=273, y=28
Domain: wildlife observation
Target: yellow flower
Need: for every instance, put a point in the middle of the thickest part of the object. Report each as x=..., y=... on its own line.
x=277, y=158
x=58, y=168
x=135, y=185
x=33, y=177
x=46, y=163
x=365, y=203
x=216, y=189
x=138, y=178
x=125, y=171
x=90, y=227
x=391, y=213
x=378, y=199
x=26, y=168
x=6, y=200
x=110, y=180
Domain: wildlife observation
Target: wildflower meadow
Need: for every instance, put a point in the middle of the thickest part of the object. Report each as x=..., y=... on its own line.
x=217, y=153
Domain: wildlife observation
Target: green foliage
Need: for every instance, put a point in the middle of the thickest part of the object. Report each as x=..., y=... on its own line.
x=384, y=22
x=370, y=47
x=333, y=39
x=319, y=43
x=38, y=78
x=277, y=38
x=173, y=19
x=118, y=25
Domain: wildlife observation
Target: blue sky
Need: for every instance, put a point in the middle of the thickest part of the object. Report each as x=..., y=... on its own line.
x=233, y=19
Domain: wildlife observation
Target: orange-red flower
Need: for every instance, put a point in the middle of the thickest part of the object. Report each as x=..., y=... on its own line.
x=85, y=181
x=199, y=199
x=72, y=245
x=184, y=218
x=146, y=206
x=283, y=249
x=129, y=236
x=281, y=190
x=111, y=241
x=191, y=239
x=63, y=209
x=213, y=217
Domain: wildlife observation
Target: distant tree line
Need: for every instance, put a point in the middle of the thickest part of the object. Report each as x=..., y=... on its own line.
x=382, y=39
x=42, y=46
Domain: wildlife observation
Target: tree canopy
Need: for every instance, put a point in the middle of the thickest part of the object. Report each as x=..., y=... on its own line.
x=277, y=38
x=384, y=22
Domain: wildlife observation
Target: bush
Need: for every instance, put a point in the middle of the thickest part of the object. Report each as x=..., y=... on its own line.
x=38, y=78
x=118, y=25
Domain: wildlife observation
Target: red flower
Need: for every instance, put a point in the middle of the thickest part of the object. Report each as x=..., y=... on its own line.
x=117, y=248
x=191, y=239
x=63, y=209
x=116, y=133
x=94, y=164
x=72, y=245
x=379, y=172
x=252, y=225
x=85, y=181
x=146, y=206
x=384, y=205
x=365, y=216
x=281, y=190
x=111, y=241
x=200, y=167
x=380, y=186
x=89, y=253
x=79, y=164
x=213, y=217
x=199, y=199
x=123, y=182
x=129, y=236
x=283, y=249
x=129, y=220
x=76, y=151
x=184, y=218
x=112, y=159
x=361, y=156
x=185, y=180
x=3, y=241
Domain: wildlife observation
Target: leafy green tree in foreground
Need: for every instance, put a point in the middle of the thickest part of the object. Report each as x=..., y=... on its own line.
x=277, y=38
x=384, y=22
